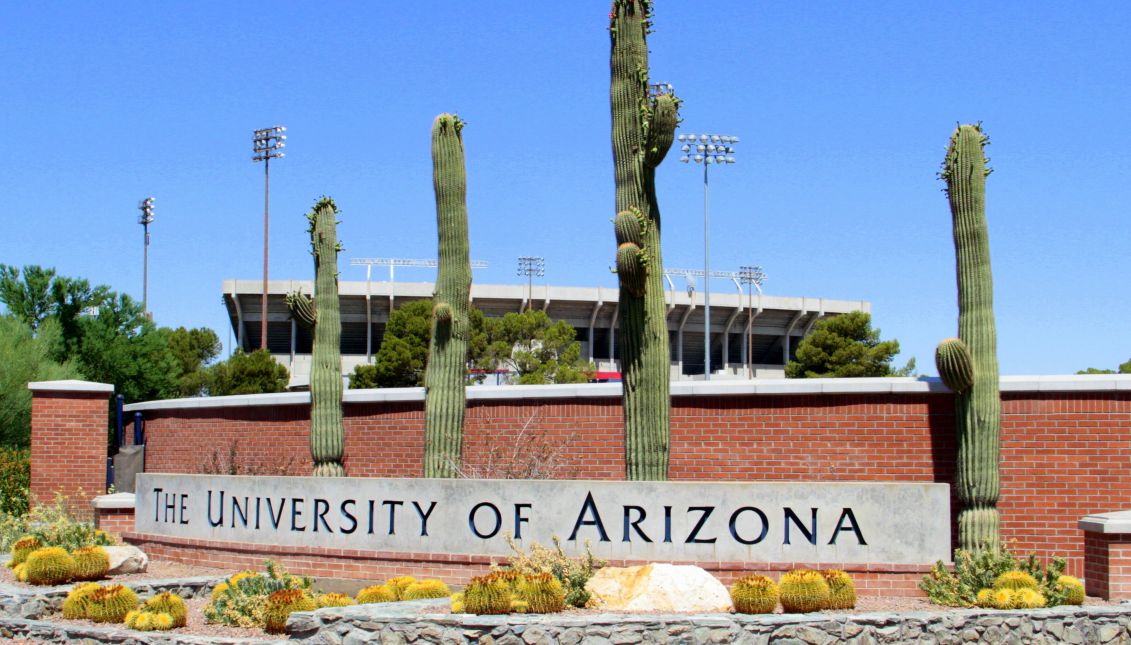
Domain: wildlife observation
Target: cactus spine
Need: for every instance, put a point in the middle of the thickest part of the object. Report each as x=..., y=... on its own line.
x=642, y=133
x=323, y=315
x=978, y=407
x=445, y=375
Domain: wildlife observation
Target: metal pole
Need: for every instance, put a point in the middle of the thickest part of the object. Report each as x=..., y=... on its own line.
x=266, y=201
x=145, y=274
x=706, y=282
x=750, y=330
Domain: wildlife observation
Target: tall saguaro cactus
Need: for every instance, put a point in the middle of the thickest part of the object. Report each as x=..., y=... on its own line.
x=968, y=364
x=445, y=376
x=643, y=129
x=322, y=315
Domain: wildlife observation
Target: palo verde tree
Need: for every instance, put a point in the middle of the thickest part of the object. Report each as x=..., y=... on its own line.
x=643, y=130
x=968, y=364
x=327, y=436
x=445, y=375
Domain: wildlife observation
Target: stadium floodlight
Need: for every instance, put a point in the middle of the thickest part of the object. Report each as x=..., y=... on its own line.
x=266, y=144
x=145, y=219
x=752, y=277
x=711, y=149
x=531, y=266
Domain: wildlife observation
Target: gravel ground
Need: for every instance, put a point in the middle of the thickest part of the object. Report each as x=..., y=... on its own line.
x=158, y=569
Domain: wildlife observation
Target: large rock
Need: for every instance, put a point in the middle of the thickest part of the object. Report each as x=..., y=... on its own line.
x=657, y=588
x=126, y=559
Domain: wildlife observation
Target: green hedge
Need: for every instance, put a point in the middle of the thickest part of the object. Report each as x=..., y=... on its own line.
x=15, y=479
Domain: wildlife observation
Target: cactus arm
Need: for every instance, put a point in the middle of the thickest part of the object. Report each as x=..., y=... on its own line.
x=302, y=309
x=977, y=409
x=642, y=133
x=445, y=375
x=952, y=358
x=327, y=436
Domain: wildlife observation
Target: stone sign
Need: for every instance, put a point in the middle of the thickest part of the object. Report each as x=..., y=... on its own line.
x=891, y=523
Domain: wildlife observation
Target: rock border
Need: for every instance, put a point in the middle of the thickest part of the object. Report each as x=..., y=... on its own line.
x=411, y=622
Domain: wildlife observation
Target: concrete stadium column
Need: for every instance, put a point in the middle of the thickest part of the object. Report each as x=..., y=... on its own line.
x=68, y=442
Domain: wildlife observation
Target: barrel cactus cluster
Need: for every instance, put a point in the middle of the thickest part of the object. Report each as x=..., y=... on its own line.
x=403, y=588
x=643, y=129
x=322, y=315
x=36, y=564
x=968, y=363
x=798, y=591
x=508, y=591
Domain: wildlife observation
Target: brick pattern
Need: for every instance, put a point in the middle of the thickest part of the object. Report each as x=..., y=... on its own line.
x=68, y=445
x=1107, y=565
x=114, y=520
x=1064, y=454
x=874, y=580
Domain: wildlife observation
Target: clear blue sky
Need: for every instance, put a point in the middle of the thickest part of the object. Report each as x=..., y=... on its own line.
x=844, y=110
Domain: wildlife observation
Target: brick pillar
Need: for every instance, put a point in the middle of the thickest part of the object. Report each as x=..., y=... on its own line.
x=68, y=442
x=1107, y=555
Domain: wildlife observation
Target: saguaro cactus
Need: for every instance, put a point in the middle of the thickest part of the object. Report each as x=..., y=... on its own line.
x=643, y=129
x=322, y=315
x=445, y=376
x=968, y=364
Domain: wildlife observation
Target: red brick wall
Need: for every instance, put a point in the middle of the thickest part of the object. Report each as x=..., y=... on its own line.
x=1064, y=454
x=890, y=580
x=68, y=447
x=114, y=520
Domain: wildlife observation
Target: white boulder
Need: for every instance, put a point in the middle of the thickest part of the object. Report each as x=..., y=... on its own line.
x=126, y=559
x=657, y=588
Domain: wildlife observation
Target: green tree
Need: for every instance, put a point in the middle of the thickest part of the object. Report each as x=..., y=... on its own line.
x=27, y=293
x=26, y=356
x=1124, y=368
x=537, y=349
x=118, y=344
x=845, y=346
x=194, y=350
x=404, y=350
x=254, y=373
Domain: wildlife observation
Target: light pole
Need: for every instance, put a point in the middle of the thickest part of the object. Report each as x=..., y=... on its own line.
x=752, y=276
x=707, y=149
x=266, y=145
x=145, y=219
x=531, y=266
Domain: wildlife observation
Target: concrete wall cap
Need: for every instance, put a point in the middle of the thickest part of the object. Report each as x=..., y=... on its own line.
x=117, y=500
x=70, y=386
x=1115, y=522
x=763, y=386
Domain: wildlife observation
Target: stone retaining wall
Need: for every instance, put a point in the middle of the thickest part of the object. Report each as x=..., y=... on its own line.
x=410, y=622
x=33, y=602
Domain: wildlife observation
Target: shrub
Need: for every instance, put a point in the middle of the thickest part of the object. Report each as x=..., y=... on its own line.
x=974, y=572
x=754, y=595
x=243, y=602
x=802, y=591
x=573, y=573
x=54, y=525
x=15, y=481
